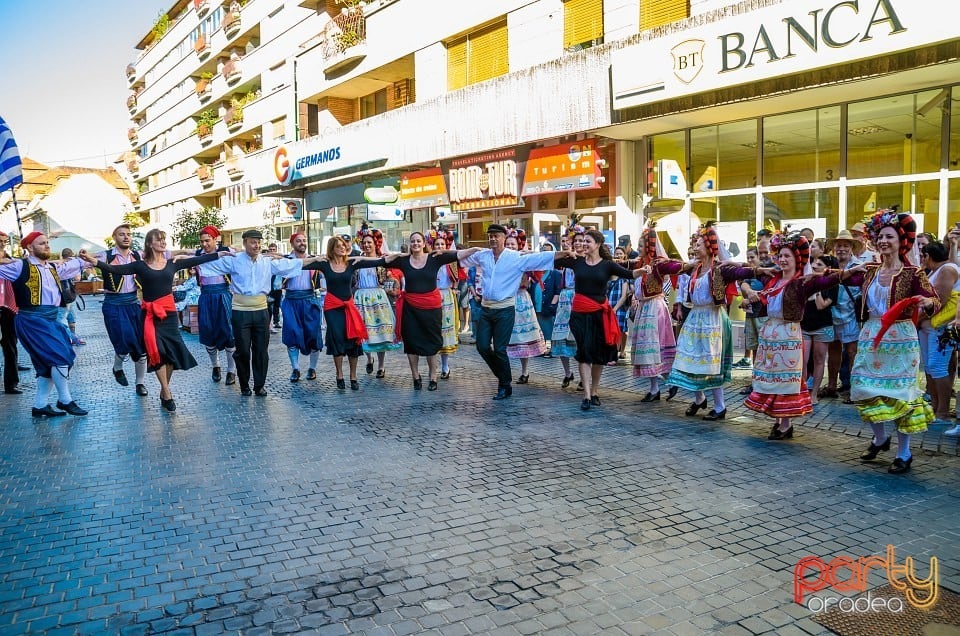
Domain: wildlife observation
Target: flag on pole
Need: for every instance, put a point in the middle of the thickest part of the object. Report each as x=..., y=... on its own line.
x=11, y=170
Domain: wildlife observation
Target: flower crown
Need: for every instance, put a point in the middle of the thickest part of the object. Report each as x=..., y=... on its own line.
x=883, y=218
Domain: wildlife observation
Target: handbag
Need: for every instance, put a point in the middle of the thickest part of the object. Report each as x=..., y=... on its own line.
x=68, y=292
x=857, y=305
x=947, y=313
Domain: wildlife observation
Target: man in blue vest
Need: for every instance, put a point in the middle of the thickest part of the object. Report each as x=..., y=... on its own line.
x=302, y=313
x=36, y=287
x=214, y=310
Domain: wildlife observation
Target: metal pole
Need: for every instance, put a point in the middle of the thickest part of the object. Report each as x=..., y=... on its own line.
x=16, y=211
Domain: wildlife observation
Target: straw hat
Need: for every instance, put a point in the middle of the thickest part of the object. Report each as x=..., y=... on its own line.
x=845, y=235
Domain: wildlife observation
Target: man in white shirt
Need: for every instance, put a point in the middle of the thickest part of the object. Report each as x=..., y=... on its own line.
x=502, y=270
x=250, y=277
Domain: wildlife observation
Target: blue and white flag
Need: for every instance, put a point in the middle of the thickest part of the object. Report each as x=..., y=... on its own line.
x=11, y=171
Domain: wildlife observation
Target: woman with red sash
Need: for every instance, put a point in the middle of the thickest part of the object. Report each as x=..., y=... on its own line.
x=419, y=313
x=346, y=331
x=161, y=333
x=592, y=320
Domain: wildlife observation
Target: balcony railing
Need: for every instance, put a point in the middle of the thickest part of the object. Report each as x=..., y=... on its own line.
x=231, y=71
x=132, y=103
x=202, y=7
x=131, y=72
x=231, y=20
x=202, y=46
x=345, y=32
x=205, y=174
x=132, y=136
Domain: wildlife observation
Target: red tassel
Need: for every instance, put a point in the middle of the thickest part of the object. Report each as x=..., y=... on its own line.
x=893, y=314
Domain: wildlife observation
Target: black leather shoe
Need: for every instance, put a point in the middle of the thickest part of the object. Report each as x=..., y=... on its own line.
x=873, y=450
x=341, y=383
x=170, y=405
x=693, y=408
x=381, y=373
x=142, y=390
x=355, y=385
x=523, y=379
x=215, y=375
x=369, y=368
x=432, y=385
x=71, y=408
x=231, y=378
x=503, y=393
x=417, y=384
x=444, y=375
x=579, y=386
x=311, y=374
x=713, y=416
x=652, y=397
x=777, y=434
x=672, y=392
x=121, y=377
x=246, y=392
x=567, y=379
x=47, y=411
x=585, y=405
x=747, y=390
x=595, y=400
x=295, y=376
x=13, y=391
x=261, y=392
x=899, y=466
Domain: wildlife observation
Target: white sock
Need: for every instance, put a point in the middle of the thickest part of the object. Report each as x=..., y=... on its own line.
x=718, y=403
x=699, y=397
x=118, y=361
x=314, y=358
x=903, y=446
x=214, y=356
x=654, y=385
x=43, y=392
x=444, y=362
x=231, y=363
x=294, y=354
x=59, y=376
x=140, y=369
x=878, y=436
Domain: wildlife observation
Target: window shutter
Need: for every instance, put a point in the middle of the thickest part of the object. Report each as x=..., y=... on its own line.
x=457, y=64
x=654, y=13
x=487, y=54
x=582, y=22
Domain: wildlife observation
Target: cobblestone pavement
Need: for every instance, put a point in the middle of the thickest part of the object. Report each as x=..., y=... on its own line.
x=389, y=511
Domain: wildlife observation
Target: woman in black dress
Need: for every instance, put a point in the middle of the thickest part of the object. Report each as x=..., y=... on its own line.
x=161, y=331
x=419, y=313
x=592, y=320
x=345, y=329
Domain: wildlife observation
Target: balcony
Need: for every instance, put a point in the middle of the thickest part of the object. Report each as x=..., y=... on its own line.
x=205, y=174
x=132, y=103
x=132, y=136
x=131, y=73
x=234, y=167
x=344, y=40
x=232, y=71
x=231, y=20
x=204, y=88
x=233, y=118
x=202, y=46
x=202, y=7
x=133, y=166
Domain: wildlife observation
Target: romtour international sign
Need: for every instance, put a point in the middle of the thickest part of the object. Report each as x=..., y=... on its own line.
x=779, y=40
x=482, y=182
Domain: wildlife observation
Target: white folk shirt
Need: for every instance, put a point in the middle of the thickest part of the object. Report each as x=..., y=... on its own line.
x=501, y=276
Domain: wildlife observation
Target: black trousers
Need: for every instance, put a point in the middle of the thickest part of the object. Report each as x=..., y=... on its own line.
x=275, y=296
x=8, y=340
x=251, y=330
x=494, y=327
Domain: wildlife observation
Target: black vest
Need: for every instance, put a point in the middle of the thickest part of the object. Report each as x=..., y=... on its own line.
x=112, y=282
x=28, y=288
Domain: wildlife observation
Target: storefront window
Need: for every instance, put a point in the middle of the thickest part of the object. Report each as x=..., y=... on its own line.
x=816, y=209
x=606, y=194
x=723, y=157
x=953, y=210
x=802, y=147
x=922, y=198
x=894, y=135
x=735, y=217
x=667, y=146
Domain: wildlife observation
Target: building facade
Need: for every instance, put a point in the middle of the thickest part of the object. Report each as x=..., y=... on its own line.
x=753, y=113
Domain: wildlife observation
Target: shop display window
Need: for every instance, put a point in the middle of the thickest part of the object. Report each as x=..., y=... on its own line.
x=723, y=157
x=922, y=198
x=802, y=147
x=817, y=209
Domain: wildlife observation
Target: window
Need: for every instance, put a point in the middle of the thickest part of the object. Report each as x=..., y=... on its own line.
x=654, y=13
x=373, y=104
x=279, y=129
x=582, y=23
x=802, y=147
x=478, y=56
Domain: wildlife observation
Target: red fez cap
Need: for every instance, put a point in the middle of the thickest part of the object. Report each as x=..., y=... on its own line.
x=210, y=231
x=295, y=235
x=29, y=238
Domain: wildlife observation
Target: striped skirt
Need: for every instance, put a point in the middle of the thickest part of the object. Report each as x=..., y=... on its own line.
x=652, y=341
x=778, y=386
x=563, y=343
x=704, y=350
x=377, y=313
x=883, y=381
x=526, y=340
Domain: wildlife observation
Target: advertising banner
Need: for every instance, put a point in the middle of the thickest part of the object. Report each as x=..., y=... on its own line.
x=574, y=166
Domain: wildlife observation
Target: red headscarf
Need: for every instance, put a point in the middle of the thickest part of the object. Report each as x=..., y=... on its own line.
x=295, y=235
x=904, y=225
x=796, y=243
x=30, y=238
x=710, y=238
x=211, y=231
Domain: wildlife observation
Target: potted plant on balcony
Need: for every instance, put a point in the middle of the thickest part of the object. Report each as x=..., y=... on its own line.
x=132, y=135
x=205, y=173
x=347, y=38
x=203, y=84
x=231, y=70
x=201, y=6
x=200, y=46
x=205, y=122
x=132, y=103
x=131, y=71
x=231, y=20
x=234, y=115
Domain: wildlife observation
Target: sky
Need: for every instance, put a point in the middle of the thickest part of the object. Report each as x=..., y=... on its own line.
x=63, y=84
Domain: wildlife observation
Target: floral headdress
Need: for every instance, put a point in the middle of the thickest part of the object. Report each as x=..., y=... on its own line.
x=440, y=231
x=648, y=239
x=796, y=243
x=517, y=233
x=902, y=222
x=710, y=238
x=575, y=227
x=364, y=231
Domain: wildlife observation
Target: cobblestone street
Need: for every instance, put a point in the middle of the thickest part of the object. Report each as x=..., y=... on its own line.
x=390, y=511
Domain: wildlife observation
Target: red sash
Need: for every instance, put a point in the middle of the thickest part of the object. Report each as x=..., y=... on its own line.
x=429, y=300
x=586, y=305
x=356, y=330
x=156, y=309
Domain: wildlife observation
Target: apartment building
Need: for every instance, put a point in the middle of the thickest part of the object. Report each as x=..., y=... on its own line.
x=526, y=111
